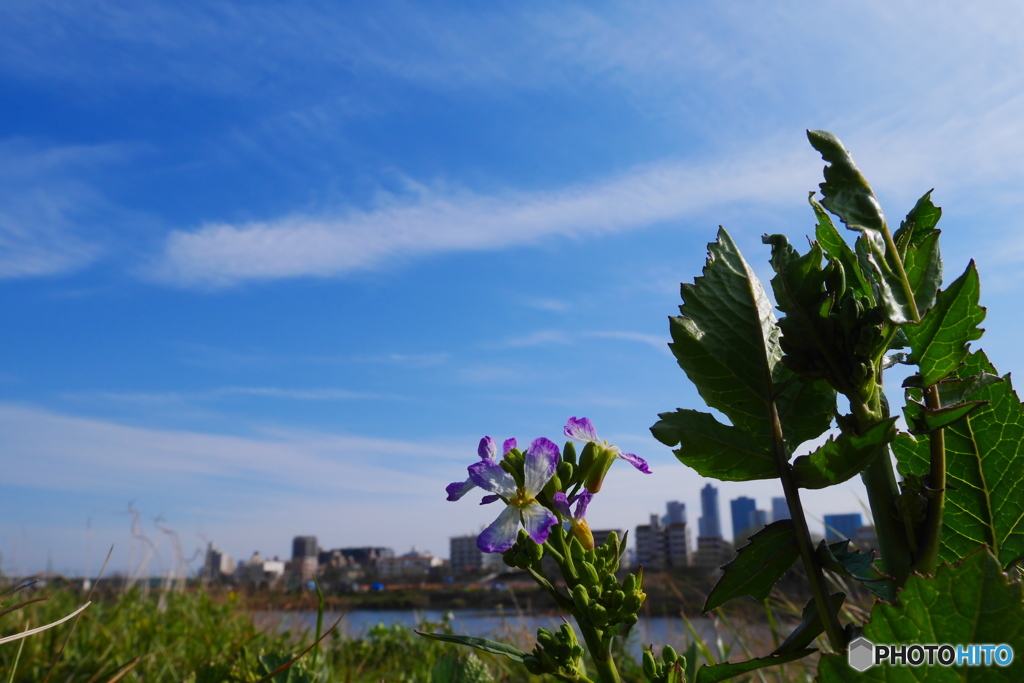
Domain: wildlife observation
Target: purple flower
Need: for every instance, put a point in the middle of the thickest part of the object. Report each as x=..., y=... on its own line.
x=582, y=429
x=577, y=523
x=521, y=502
x=487, y=450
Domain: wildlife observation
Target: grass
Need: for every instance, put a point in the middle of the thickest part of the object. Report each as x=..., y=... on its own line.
x=195, y=637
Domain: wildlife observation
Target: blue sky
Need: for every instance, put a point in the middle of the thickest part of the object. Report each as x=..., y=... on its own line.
x=269, y=270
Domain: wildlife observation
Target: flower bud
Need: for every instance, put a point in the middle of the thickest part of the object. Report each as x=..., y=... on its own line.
x=569, y=453
x=580, y=597
x=669, y=655
x=598, y=614
x=581, y=532
x=588, y=574
x=650, y=665
x=603, y=459
x=565, y=471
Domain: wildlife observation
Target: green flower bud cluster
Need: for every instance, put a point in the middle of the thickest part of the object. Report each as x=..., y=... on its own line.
x=555, y=653
x=598, y=597
x=524, y=554
x=668, y=670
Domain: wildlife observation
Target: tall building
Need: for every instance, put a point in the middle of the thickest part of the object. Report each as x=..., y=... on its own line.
x=709, y=524
x=466, y=556
x=758, y=518
x=304, y=546
x=664, y=546
x=675, y=513
x=712, y=553
x=216, y=564
x=838, y=527
x=741, y=509
x=780, y=509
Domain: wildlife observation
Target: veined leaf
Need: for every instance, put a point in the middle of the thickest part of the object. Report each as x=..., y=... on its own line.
x=727, y=670
x=758, y=565
x=985, y=470
x=839, y=459
x=940, y=341
x=727, y=342
x=919, y=223
x=848, y=195
x=972, y=603
x=713, y=449
x=484, y=644
x=837, y=557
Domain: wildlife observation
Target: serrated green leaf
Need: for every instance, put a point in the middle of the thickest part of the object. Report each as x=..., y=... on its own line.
x=484, y=644
x=758, y=565
x=838, y=558
x=726, y=670
x=847, y=194
x=985, y=470
x=727, y=341
x=840, y=459
x=919, y=223
x=940, y=341
x=713, y=449
x=728, y=344
x=972, y=603
x=810, y=626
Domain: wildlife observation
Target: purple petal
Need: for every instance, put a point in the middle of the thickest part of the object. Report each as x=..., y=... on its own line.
x=457, y=489
x=580, y=429
x=541, y=460
x=636, y=461
x=562, y=505
x=508, y=445
x=487, y=500
x=487, y=449
x=582, y=500
x=489, y=476
x=538, y=521
x=501, y=534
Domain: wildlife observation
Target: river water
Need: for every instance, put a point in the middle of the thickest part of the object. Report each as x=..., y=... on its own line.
x=520, y=629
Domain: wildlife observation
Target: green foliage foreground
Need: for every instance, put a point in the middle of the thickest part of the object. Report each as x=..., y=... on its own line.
x=189, y=637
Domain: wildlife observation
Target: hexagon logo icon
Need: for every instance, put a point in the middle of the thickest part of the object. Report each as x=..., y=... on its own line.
x=861, y=654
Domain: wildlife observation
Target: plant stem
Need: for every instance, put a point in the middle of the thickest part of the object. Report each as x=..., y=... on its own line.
x=815, y=575
x=929, y=551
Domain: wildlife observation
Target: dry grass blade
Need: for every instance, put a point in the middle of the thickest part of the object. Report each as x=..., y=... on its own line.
x=25, y=634
x=22, y=604
x=124, y=672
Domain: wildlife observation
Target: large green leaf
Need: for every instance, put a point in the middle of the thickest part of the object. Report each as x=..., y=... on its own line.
x=972, y=603
x=713, y=449
x=940, y=341
x=727, y=342
x=839, y=459
x=847, y=194
x=758, y=565
x=985, y=470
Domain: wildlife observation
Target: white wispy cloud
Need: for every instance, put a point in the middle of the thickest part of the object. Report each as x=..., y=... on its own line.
x=51, y=219
x=57, y=452
x=435, y=221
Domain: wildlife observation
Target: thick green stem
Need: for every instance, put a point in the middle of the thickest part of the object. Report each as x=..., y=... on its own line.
x=928, y=556
x=815, y=575
x=883, y=497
